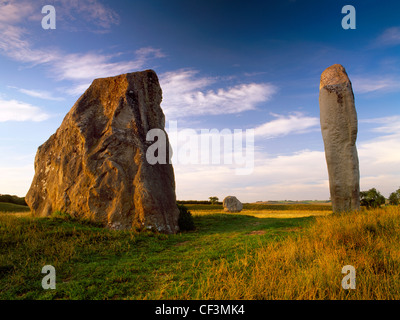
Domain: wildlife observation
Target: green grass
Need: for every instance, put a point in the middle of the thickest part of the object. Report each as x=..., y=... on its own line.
x=11, y=207
x=264, y=206
x=95, y=263
x=296, y=206
x=255, y=254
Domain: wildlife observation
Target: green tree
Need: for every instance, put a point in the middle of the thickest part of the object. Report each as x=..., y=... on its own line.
x=12, y=199
x=394, y=198
x=213, y=200
x=371, y=198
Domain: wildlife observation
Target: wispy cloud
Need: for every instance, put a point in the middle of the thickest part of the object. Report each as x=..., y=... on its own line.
x=92, y=11
x=13, y=110
x=143, y=54
x=186, y=94
x=390, y=37
x=12, y=12
x=41, y=94
x=284, y=125
x=90, y=66
x=300, y=175
x=76, y=15
x=80, y=68
x=14, y=44
x=295, y=177
x=75, y=66
x=380, y=156
x=76, y=89
x=389, y=125
x=83, y=68
x=366, y=84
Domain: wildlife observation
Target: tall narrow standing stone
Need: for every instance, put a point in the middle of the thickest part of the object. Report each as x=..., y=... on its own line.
x=339, y=131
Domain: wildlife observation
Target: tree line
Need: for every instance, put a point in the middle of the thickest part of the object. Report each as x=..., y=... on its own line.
x=12, y=199
x=372, y=198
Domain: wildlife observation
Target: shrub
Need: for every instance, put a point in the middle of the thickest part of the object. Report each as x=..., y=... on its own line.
x=213, y=200
x=185, y=220
x=371, y=198
x=61, y=215
x=394, y=198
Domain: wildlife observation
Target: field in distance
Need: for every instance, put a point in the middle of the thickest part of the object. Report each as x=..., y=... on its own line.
x=11, y=207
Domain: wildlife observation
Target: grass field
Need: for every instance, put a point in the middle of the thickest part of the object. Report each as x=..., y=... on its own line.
x=11, y=207
x=260, y=253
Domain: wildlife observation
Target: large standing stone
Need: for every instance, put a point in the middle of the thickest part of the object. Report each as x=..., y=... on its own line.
x=95, y=165
x=232, y=204
x=339, y=131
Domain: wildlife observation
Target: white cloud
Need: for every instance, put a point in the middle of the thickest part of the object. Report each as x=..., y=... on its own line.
x=16, y=180
x=13, y=110
x=92, y=11
x=76, y=15
x=387, y=124
x=89, y=66
x=76, y=89
x=389, y=37
x=75, y=66
x=144, y=53
x=38, y=94
x=185, y=94
x=380, y=157
x=13, y=43
x=80, y=68
x=11, y=12
x=298, y=176
x=84, y=68
x=294, y=123
x=365, y=84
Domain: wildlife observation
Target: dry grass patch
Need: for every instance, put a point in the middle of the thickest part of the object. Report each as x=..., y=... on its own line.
x=257, y=232
x=308, y=265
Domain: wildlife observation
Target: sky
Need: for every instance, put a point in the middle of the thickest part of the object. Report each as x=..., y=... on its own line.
x=223, y=65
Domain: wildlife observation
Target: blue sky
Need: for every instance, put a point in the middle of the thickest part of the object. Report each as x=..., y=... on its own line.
x=222, y=65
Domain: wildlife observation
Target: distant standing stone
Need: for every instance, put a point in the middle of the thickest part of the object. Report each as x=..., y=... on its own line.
x=339, y=131
x=232, y=204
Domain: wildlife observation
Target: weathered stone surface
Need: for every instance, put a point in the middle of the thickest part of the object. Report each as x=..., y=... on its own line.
x=339, y=131
x=95, y=165
x=232, y=204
